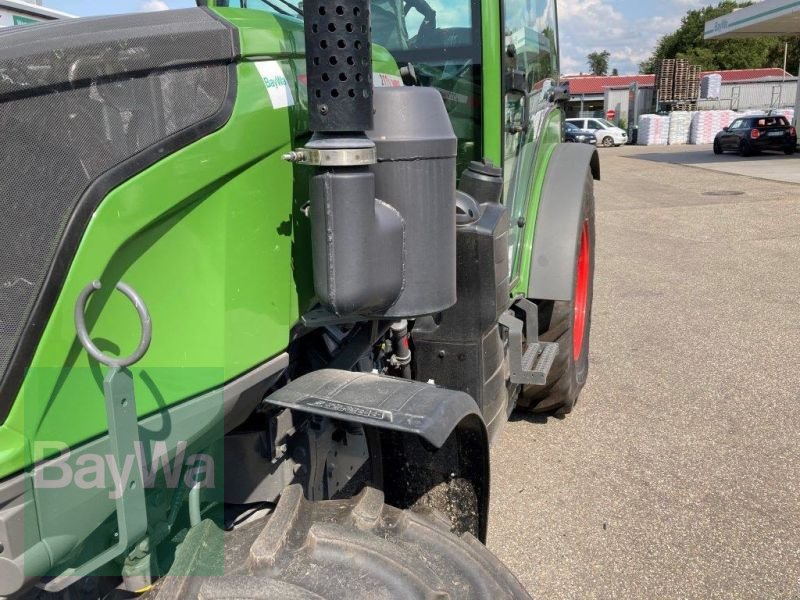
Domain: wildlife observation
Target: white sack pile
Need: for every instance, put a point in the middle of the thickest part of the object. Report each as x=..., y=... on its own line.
x=653, y=130
x=680, y=124
x=706, y=124
x=711, y=86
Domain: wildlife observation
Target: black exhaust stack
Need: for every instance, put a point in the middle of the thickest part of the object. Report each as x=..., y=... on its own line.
x=339, y=65
x=393, y=256
x=357, y=241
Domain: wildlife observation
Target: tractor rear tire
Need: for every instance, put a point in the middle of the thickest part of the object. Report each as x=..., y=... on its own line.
x=569, y=324
x=353, y=548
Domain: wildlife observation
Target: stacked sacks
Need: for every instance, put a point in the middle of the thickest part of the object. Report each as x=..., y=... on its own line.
x=726, y=117
x=707, y=124
x=680, y=124
x=653, y=130
x=711, y=86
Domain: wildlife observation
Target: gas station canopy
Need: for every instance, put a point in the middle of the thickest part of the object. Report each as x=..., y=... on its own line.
x=768, y=18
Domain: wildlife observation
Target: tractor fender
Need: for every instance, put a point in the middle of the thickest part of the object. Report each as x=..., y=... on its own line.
x=558, y=221
x=379, y=401
x=431, y=436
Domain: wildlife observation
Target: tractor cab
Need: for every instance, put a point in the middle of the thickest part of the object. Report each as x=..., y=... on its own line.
x=496, y=66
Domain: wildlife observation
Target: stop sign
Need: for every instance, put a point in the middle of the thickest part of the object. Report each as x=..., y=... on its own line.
x=611, y=114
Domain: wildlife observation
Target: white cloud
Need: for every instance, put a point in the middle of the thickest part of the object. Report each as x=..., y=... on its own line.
x=153, y=5
x=595, y=25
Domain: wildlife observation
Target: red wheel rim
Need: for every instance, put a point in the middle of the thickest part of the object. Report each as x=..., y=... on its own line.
x=581, y=293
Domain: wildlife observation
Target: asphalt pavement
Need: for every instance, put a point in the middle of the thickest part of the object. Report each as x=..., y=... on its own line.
x=678, y=474
x=774, y=166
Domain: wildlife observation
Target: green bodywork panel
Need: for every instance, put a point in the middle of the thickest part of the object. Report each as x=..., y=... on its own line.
x=536, y=165
x=211, y=237
x=203, y=236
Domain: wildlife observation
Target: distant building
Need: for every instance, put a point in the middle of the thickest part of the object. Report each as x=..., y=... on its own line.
x=17, y=12
x=742, y=89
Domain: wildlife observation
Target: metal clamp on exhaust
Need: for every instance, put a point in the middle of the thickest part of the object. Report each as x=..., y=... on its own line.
x=333, y=157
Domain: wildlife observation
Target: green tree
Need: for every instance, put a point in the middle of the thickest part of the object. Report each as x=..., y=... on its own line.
x=713, y=55
x=598, y=62
x=615, y=71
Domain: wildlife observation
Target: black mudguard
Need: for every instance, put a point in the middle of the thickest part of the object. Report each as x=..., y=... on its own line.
x=557, y=223
x=377, y=401
x=430, y=436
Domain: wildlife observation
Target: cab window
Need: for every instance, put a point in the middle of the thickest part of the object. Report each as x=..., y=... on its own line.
x=531, y=70
x=737, y=124
x=442, y=40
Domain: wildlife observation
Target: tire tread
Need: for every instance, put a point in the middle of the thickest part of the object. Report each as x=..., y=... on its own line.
x=353, y=548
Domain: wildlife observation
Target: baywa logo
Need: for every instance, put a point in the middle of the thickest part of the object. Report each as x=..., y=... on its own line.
x=102, y=471
x=276, y=82
x=721, y=26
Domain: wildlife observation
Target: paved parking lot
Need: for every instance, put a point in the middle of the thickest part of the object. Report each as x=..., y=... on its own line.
x=770, y=165
x=678, y=475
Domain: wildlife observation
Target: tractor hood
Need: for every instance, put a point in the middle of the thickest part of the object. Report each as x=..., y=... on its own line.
x=84, y=105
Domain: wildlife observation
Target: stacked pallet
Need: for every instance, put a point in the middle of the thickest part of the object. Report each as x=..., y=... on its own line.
x=694, y=82
x=680, y=125
x=708, y=123
x=682, y=88
x=665, y=79
x=653, y=130
x=677, y=81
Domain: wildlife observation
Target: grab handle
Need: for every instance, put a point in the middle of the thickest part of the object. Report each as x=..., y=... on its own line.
x=86, y=340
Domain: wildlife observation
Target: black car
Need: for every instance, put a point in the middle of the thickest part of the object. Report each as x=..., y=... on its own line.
x=752, y=134
x=576, y=135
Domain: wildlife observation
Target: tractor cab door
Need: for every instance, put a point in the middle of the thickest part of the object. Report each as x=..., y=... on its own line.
x=530, y=72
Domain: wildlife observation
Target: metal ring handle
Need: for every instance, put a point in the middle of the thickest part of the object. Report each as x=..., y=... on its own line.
x=83, y=333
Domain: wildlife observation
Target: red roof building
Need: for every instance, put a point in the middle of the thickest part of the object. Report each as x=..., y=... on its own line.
x=593, y=85
x=743, y=89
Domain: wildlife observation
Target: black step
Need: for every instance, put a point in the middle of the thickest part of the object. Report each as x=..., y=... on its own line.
x=531, y=366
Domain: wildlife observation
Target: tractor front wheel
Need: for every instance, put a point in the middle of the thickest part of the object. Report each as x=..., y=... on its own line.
x=356, y=548
x=569, y=324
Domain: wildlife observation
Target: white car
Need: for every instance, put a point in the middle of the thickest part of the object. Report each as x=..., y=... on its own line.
x=607, y=133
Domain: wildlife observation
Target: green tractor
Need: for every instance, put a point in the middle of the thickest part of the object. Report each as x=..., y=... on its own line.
x=273, y=278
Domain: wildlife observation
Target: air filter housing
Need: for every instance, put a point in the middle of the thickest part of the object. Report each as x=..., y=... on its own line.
x=416, y=175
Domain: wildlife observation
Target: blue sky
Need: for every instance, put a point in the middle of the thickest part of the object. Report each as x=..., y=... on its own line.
x=627, y=28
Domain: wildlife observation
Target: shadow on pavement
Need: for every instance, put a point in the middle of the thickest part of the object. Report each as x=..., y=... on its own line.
x=702, y=157
x=537, y=418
